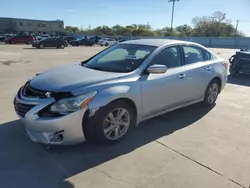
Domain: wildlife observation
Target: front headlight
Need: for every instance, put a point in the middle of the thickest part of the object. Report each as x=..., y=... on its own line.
x=72, y=104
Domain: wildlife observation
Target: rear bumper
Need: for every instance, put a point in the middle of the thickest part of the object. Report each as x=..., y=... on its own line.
x=63, y=130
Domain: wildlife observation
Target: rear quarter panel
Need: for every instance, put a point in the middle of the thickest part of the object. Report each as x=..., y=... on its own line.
x=220, y=71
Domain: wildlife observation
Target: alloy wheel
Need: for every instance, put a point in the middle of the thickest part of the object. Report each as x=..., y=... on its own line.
x=212, y=93
x=116, y=124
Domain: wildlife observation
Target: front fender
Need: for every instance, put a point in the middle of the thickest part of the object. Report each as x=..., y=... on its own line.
x=110, y=94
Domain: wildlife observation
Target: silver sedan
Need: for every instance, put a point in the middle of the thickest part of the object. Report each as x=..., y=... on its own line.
x=103, y=97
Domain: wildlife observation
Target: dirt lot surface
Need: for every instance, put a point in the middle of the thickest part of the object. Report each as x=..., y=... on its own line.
x=191, y=147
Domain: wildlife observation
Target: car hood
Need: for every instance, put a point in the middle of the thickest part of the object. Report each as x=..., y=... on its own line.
x=70, y=77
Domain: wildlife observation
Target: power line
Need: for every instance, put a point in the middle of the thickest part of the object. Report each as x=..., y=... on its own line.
x=172, y=19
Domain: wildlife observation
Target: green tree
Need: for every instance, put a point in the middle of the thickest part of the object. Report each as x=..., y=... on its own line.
x=184, y=30
x=216, y=25
x=71, y=29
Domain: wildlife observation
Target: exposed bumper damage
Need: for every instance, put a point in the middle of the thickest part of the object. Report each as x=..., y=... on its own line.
x=49, y=128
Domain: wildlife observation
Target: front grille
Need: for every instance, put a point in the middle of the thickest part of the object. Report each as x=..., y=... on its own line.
x=29, y=91
x=22, y=109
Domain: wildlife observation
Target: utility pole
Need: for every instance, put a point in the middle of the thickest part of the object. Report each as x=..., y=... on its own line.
x=172, y=19
x=236, y=28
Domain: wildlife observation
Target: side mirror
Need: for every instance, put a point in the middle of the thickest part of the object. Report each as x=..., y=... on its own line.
x=157, y=69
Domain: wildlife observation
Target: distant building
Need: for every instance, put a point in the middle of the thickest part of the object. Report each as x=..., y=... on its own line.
x=17, y=25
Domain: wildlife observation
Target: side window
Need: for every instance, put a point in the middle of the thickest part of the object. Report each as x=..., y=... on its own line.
x=171, y=57
x=193, y=54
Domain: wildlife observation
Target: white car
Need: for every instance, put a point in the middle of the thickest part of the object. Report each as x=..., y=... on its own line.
x=107, y=42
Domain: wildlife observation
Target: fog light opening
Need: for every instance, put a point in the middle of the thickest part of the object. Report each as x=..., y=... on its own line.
x=57, y=136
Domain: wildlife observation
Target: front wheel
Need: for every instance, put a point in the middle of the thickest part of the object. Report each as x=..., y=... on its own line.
x=212, y=93
x=112, y=122
x=41, y=46
x=62, y=46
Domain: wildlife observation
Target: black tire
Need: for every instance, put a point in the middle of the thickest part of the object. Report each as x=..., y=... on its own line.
x=12, y=42
x=41, y=46
x=233, y=71
x=106, y=44
x=94, y=128
x=207, y=101
x=62, y=46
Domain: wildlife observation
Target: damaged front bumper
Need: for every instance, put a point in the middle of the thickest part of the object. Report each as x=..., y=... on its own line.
x=56, y=130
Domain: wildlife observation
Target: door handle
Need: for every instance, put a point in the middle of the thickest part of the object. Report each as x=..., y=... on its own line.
x=182, y=75
x=208, y=68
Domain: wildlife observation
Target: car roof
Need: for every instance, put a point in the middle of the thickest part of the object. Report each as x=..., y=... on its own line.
x=153, y=42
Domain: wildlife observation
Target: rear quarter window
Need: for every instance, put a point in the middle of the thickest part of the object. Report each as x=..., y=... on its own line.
x=208, y=56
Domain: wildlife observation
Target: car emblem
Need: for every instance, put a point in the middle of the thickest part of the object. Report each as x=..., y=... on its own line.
x=48, y=94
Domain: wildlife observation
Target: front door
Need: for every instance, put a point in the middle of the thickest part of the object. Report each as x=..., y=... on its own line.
x=164, y=91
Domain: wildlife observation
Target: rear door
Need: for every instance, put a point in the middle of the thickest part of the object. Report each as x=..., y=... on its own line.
x=199, y=71
x=57, y=42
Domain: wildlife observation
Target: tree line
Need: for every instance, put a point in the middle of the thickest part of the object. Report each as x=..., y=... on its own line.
x=216, y=25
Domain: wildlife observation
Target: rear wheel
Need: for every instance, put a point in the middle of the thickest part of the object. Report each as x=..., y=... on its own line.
x=106, y=44
x=62, y=46
x=212, y=93
x=232, y=69
x=12, y=42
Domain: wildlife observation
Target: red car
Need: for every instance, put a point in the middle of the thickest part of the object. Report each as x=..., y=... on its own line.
x=26, y=39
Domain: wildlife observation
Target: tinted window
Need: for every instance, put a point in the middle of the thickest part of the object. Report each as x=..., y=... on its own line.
x=171, y=57
x=193, y=54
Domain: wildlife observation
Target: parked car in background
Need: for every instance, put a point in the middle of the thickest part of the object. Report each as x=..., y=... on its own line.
x=25, y=39
x=103, y=97
x=240, y=62
x=69, y=38
x=38, y=38
x=95, y=39
x=107, y=42
x=82, y=41
x=50, y=42
x=2, y=38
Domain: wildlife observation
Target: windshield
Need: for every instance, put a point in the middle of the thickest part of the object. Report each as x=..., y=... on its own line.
x=121, y=58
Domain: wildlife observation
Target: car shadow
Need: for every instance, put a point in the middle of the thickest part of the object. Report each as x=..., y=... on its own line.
x=239, y=79
x=29, y=164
